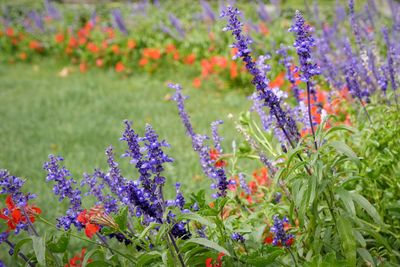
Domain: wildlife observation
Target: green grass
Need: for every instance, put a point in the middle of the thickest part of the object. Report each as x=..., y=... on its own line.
x=77, y=117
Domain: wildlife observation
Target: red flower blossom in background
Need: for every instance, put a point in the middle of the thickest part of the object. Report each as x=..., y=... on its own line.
x=197, y=82
x=77, y=260
x=233, y=70
x=269, y=238
x=190, y=59
x=92, y=47
x=115, y=49
x=143, y=61
x=214, y=155
x=218, y=262
x=131, y=44
x=263, y=28
x=13, y=214
x=83, y=67
x=99, y=62
x=278, y=81
x=59, y=38
x=119, y=67
x=9, y=32
x=152, y=53
x=23, y=56
x=35, y=45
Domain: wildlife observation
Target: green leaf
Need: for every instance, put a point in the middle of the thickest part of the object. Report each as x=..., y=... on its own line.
x=122, y=218
x=345, y=230
x=210, y=244
x=369, y=261
x=98, y=264
x=196, y=217
x=262, y=261
x=39, y=246
x=347, y=201
x=88, y=255
x=345, y=149
x=18, y=246
x=148, y=258
x=364, y=203
x=60, y=245
x=107, y=230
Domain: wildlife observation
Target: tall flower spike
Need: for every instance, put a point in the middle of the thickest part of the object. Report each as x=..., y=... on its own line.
x=119, y=21
x=208, y=165
x=269, y=99
x=64, y=189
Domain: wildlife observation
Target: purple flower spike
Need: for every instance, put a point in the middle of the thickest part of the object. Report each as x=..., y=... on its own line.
x=119, y=21
x=63, y=188
x=281, y=237
x=303, y=44
x=269, y=99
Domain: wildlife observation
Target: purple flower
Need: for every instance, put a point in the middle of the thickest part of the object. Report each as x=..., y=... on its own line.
x=237, y=237
x=303, y=44
x=177, y=24
x=281, y=237
x=208, y=165
x=209, y=13
x=179, y=199
x=119, y=21
x=3, y=237
x=63, y=188
x=269, y=99
x=390, y=63
x=216, y=137
x=243, y=184
x=52, y=11
x=262, y=12
x=37, y=19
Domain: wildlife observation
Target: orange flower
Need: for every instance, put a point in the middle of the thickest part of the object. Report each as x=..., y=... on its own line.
x=197, y=82
x=99, y=62
x=214, y=155
x=90, y=228
x=233, y=70
x=35, y=45
x=219, y=61
x=119, y=67
x=131, y=44
x=83, y=67
x=269, y=238
x=92, y=47
x=143, y=61
x=13, y=214
x=263, y=28
x=73, y=42
x=115, y=49
x=59, y=38
x=278, y=81
x=169, y=49
x=152, y=53
x=176, y=55
x=189, y=60
x=82, y=40
x=9, y=32
x=23, y=56
x=94, y=218
x=77, y=260
x=104, y=44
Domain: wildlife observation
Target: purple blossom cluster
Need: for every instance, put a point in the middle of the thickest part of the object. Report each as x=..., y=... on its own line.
x=11, y=185
x=281, y=237
x=238, y=237
x=268, y=98
x=303, y=44
x=63, y=188
x=119, y=21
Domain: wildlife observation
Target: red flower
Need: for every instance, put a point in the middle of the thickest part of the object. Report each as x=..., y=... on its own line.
x=189, y=60
x=268, y=240
x=13, y=214
x=77, y=260
x=83, y=67
x=218, y=262
x=90, y=228
x=119, y=67
x=214, y=155
x=131, y=44
x=99, y=62
x=59, y=38
x=197, y=82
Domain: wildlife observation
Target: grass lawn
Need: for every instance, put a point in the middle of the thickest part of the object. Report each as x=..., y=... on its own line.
x=78, y=116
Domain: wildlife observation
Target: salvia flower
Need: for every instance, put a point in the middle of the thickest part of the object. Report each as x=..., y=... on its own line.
x=279, y=229
x=237, y=237
x=177, y=24
x=303, y=44
x=119, y=21
x=210, y=166
x=12, y=185
x=243, y=184
x=63, y=188
x=269, y=99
